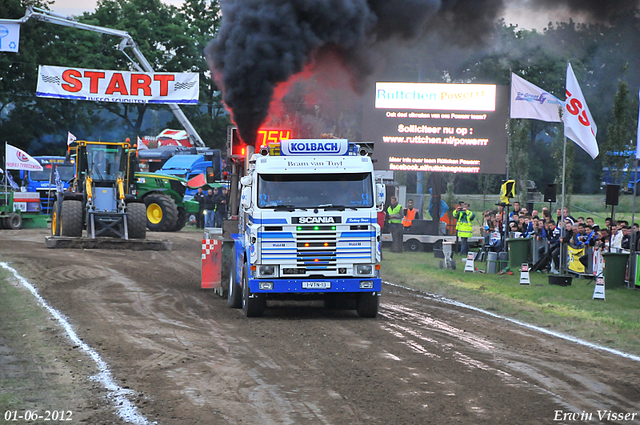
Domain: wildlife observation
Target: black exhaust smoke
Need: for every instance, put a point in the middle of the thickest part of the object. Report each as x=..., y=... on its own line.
x=262, y=43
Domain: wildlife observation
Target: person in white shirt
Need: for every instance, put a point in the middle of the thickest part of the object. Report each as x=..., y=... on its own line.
x=616, y=238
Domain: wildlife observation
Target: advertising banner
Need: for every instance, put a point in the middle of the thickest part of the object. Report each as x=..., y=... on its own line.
x=573, y=256
x=117, y=86
x=449, y=128
x=10, y=37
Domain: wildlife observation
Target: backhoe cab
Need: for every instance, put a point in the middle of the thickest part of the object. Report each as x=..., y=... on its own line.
x=100, y=196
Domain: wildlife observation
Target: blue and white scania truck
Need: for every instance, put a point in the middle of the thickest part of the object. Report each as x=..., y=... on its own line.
x=308, y=228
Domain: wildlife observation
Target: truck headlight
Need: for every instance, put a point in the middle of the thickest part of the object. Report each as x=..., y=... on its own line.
x=267, y=271
x=364, y=269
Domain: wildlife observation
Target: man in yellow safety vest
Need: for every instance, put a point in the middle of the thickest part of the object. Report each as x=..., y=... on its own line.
x=464, y=228
x=394, y=218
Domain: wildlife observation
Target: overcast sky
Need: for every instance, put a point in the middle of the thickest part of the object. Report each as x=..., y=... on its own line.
x=516, y=13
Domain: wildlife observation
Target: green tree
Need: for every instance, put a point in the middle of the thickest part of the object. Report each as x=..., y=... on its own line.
x=519, y=156
x=619, y=133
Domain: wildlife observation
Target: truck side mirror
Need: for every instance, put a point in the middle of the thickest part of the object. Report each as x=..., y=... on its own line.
x=246, y=198
x=381, y=194
x=246, y=181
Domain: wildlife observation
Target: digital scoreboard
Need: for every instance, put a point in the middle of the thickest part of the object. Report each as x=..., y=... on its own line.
x=448, y=128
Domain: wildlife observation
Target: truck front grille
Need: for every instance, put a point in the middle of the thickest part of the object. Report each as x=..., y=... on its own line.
x=316, y=250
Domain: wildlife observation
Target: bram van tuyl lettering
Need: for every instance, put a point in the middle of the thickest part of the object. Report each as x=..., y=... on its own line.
x=601, y=415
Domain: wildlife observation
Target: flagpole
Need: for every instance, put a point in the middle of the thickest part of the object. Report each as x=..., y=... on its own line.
x=562, y=225
x=6, y=178
x=632, y=268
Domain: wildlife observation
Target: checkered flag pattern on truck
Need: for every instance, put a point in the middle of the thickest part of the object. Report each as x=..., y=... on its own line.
x=207, y=247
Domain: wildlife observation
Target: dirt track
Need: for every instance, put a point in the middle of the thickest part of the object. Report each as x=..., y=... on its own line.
x=192, y=360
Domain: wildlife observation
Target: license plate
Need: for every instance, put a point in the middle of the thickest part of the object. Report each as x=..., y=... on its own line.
x=316, y=285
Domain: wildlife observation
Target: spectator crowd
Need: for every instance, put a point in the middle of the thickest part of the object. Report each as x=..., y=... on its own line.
x=549, y=234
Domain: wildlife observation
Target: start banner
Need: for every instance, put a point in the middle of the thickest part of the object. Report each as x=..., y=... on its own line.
x=117, y=86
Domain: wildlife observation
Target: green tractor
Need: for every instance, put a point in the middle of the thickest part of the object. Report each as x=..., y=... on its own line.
x=163, y=195
x=99, y=198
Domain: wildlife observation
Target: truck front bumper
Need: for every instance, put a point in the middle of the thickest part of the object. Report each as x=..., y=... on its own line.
x=315, y=286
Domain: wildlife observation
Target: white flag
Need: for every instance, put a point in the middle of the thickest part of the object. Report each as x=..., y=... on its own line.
x=12, y=183
x=530, y=101
x=70, y=138
x=579, y=125
x=59, y=185
x=17, y=159
x=9, y=37
x=141, y=146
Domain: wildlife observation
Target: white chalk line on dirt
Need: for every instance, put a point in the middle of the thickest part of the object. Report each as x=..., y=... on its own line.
x=444, y=300
x=118, y=395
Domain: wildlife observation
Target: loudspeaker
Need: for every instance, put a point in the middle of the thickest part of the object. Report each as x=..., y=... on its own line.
x=612, y=194
x=550, y=193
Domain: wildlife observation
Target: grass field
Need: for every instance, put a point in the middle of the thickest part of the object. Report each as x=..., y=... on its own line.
x=571, y=310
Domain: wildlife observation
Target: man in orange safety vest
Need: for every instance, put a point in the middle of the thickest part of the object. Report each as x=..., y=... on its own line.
x=410, y=214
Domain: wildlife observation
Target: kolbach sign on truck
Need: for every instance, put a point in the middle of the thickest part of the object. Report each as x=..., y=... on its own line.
x=117, y=86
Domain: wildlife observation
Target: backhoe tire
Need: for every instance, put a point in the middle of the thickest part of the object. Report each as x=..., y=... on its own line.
x=182, y=219
x=71, y=218
x=55, y=219
x=13, y=222
x=368, y=304
x=137, y=220
x=162, y=213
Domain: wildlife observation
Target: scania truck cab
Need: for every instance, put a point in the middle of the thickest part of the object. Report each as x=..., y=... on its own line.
x=308, y=228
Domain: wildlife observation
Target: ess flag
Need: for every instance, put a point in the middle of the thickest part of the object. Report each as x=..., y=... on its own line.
x=118, y=86
x=578, y=122
x=17, y=159
x=530, y=101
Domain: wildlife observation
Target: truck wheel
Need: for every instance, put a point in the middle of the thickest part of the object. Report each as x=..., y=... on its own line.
x=137, y=220
x=413, y=245
x=182, y=219
x=234, y=295
x=55, y=219
x=13, y=222
x=251, y=307
x=71, y=218
x=368, y=303
x=162, y=213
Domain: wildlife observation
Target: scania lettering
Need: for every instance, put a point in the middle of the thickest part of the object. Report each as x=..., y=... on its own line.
x=303, y=220
x=309, y=231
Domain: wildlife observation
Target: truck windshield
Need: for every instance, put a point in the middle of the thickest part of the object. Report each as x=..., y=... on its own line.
x=354, y=190
x=65, y=171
